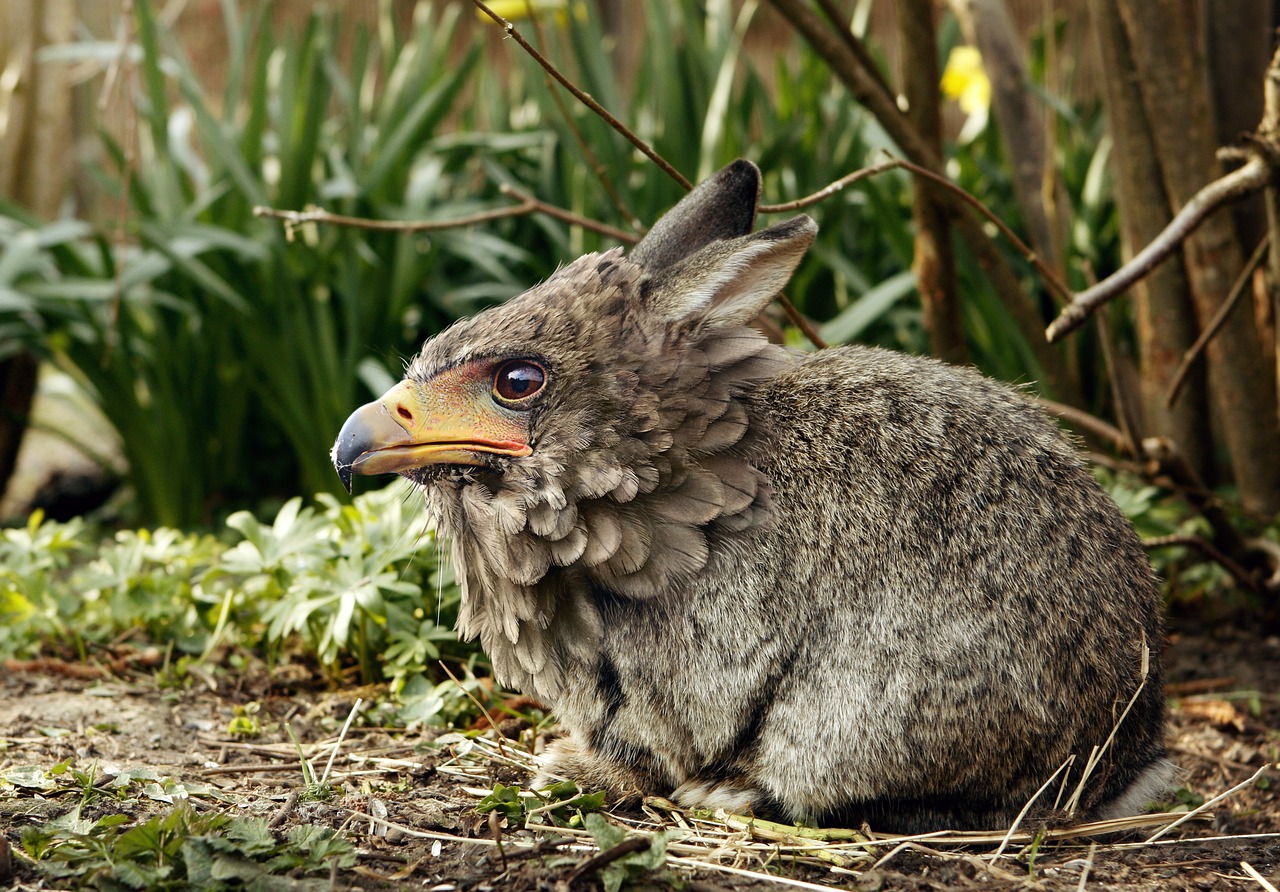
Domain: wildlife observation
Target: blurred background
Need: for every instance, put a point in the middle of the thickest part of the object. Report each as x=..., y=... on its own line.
x=169, y=359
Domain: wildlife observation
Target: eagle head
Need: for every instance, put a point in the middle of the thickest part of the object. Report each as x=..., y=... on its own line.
x=594, y=433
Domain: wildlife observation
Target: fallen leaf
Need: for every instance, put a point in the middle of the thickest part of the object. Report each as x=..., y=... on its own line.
x=1220, y=713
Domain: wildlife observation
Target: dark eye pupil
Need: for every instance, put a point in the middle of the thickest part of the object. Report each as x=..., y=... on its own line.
x=518, y=379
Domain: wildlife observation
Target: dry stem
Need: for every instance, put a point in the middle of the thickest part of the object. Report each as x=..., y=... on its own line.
x=1254, y=175
x=1215, y=324
x=585, y=98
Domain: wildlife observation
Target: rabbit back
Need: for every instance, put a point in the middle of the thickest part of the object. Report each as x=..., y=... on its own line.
x=943, y=610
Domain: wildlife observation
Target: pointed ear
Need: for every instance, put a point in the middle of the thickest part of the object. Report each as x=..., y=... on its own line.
x=721, y=207
x=730, y=282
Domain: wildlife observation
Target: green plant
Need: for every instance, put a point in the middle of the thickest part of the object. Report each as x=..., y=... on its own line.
x=240, y=345
x=559, y=805
x=351, y=581
x=226, y=353
x=181, y=850
x=632, y=867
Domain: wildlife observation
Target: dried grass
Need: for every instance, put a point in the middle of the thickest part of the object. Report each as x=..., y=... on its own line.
x=744, y=846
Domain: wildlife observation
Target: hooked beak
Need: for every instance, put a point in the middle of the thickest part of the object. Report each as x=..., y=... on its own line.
x=448, y=420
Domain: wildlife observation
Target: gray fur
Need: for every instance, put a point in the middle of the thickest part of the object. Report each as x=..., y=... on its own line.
x=854, y=585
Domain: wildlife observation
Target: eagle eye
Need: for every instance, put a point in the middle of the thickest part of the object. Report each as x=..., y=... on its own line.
x=516, y=381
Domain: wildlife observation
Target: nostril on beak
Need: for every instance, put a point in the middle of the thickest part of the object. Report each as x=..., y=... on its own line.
x=405, y=415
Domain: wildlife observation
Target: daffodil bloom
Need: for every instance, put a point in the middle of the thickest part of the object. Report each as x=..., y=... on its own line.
x=515, y=10
x=965, y=81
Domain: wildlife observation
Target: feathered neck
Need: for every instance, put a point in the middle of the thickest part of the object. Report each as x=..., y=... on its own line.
x=635, y=504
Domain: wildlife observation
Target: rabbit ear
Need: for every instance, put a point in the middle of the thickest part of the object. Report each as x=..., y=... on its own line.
x=721, y=207
x=730, y=282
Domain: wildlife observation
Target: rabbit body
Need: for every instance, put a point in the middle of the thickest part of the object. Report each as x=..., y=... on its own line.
x=847, y=586
x=982, y=616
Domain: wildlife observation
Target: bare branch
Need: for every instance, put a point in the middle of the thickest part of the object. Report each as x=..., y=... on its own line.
x=1050, y=277
x=600, y=860
x=528, y=205
x=1252, y=176
x=799, y=321
x=1165, y=458
x=1090, y=424
x=1046, y=272
x=1238, y=573
x=551, y=210
x=315, y=214
x=596, y=165
x=831, y=189
x=857, y=47
x=585, y=98
x=1215, y=324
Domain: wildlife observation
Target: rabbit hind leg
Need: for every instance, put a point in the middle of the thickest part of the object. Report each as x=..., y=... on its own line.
x=622, y=771
x=735, y=795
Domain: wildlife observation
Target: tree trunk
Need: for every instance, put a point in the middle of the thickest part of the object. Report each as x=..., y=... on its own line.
x=35, y=103
x=1164, y=314
x=934, y=261
x=986, y=25
x=1238, y=48
x=1175, y=94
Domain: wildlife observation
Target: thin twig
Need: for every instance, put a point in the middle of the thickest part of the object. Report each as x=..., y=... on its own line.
x=1017, y=821
x=1216, y=323
x=756, y=875
x=832, y=188
x=1251, y=177
x=1046, y=272
x=315, y=214
x=559, y=213
x=1082, y=420
x=1088, y=865
x=1262, y=881
x=587, y=152
x=799, y=321
x=501, y=738
x=290, y=804
x=527, y=205
x=1144, y=661
x=585, y=98
x=1242, y=576
x=856, y=46
x=1207, y=805
x=1168, y=459
x=1049, y=276
x=628, y=846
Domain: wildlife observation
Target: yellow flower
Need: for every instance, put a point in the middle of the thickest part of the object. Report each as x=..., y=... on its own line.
x=965, y=80
x=514, y=10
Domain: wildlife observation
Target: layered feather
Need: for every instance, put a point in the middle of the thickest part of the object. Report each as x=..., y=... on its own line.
x=641, y=466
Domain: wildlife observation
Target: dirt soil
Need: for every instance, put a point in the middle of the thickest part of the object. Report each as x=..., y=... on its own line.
x=408, y=800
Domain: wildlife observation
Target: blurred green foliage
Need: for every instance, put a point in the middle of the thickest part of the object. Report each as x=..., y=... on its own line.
x=227, y=349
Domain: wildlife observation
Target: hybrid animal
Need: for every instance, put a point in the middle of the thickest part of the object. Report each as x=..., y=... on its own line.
x=842, y=586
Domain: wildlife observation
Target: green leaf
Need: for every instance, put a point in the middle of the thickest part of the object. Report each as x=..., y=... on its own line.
x=30, y=777
x=605, y=835
x=866, y=310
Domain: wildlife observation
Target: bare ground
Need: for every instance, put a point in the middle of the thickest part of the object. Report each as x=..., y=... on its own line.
x=408, y=801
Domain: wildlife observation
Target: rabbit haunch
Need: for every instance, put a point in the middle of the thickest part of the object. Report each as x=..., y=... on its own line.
x=853, y=585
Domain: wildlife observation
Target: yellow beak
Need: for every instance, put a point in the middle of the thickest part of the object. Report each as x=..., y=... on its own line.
x=451, y=419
